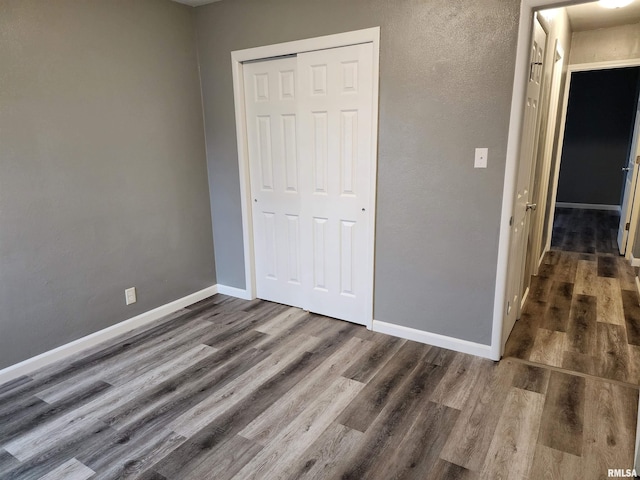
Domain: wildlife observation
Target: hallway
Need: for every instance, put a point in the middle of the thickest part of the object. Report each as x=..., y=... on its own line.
x=582, y=311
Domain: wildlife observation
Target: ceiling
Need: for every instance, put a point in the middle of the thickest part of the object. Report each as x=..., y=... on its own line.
x=589, y=16
x=195, y=3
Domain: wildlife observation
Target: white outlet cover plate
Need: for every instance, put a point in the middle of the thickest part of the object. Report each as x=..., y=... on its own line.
x=481, y=158
x=130, y=295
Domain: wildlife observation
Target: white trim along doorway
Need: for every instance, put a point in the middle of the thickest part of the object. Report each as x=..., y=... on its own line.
x=241, y=58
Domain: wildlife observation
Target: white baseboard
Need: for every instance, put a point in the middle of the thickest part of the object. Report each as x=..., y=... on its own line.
x=589, y=206
x=31, y=364
x=544, y=252
x=233, y=292
x=524, y=297
x=635, y=262
x=435, y=339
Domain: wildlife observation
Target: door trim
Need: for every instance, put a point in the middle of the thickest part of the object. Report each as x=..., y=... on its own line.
x=369, y=35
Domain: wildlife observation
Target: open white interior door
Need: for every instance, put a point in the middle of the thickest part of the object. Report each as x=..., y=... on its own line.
x=538, y=243
x=522, y=205
x=631, y=173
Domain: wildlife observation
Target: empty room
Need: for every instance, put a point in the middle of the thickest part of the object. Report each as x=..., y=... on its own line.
x=304, y=239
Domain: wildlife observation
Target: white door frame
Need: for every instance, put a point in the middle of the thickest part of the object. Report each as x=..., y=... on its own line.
x=369, y=35
x=585, y=67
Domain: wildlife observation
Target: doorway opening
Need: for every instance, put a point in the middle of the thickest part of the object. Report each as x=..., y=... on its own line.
x=576, y=310
x=596, y=184
x=574, y=297
x=306, y=123
x=575, y=153
x=596, y=181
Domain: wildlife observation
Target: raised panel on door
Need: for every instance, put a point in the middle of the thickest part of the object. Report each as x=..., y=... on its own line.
x=335, y=119
x=272, y=131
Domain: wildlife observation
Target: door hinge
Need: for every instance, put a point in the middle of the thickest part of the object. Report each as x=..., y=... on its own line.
x=626, y=227
x=511, y=221
x=638, y=160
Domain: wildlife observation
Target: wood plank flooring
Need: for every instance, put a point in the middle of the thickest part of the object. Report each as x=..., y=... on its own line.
x=582, y=311
x=233, y=389
x=585, y=231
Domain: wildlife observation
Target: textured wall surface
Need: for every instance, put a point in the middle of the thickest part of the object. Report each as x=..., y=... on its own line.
x=446, y=75
x=103, y=181
x=605, y=44
x=600, y=117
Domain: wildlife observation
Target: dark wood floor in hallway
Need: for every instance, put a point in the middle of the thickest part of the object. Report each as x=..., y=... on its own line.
x=231, y=389
x=582, y=311
x=585, y=231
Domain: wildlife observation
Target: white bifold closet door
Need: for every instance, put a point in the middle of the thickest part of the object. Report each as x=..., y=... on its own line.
x=272, y=129
x=309, y=127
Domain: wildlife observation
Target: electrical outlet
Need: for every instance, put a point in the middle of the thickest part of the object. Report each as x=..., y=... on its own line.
x=481, y=158
x=130, y=295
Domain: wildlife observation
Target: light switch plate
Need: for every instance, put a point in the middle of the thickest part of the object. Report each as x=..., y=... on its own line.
x=130, y=295
x=481, y=158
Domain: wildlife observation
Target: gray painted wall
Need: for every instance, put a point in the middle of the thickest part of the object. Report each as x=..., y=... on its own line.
x=103, y=181
x=446, y=74
x=605, y=44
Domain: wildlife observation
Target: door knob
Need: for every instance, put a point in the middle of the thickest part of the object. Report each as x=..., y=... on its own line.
x=625, y=169
x=531, y=206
